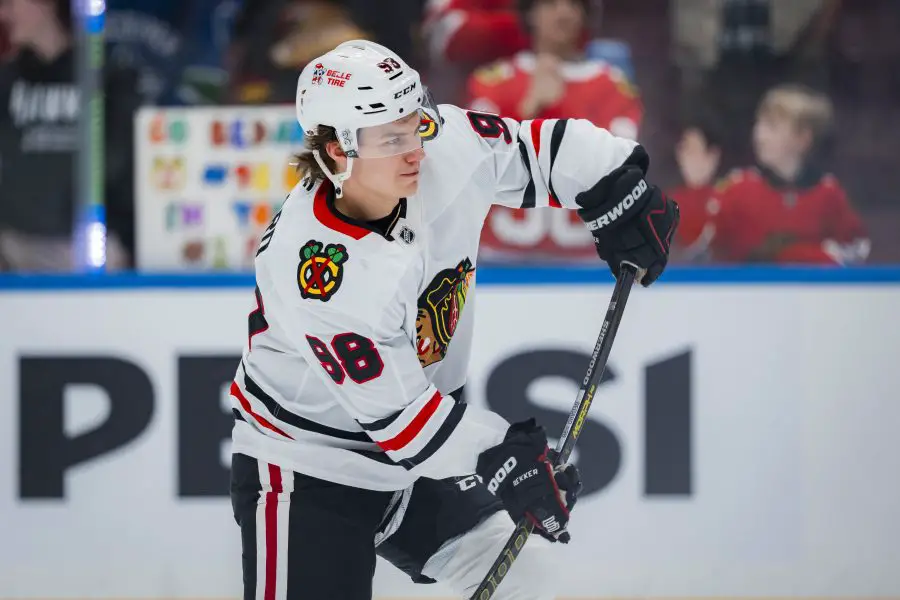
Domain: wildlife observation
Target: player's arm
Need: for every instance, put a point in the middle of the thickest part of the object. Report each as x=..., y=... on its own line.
x=570, y=163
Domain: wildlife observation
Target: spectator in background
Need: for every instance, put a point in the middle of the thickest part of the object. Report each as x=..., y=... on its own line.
x=731, y=51
x=461, y=35
x=273, y=41
x=176, y=47
x=39, y=109
x=699, y=155
x=551, y=80
x=400, y=27
x=787, y=210
x=473, y=32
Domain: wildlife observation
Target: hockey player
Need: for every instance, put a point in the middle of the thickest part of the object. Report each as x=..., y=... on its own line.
x=350, y=438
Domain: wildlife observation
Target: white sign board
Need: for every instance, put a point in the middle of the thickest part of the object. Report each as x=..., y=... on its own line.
x=745, y=444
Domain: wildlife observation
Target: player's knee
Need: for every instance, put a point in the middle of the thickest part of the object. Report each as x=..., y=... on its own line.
x=463, y=562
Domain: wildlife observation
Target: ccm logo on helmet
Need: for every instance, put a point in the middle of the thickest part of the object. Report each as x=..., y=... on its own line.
x=619, y=209
x=501, y=474
x=405, y=90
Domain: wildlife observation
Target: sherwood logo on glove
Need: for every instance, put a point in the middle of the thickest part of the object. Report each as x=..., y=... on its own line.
x=619, y=209
x=501, y=474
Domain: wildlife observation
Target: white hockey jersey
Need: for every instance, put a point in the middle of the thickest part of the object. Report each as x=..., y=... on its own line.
x=358, y=337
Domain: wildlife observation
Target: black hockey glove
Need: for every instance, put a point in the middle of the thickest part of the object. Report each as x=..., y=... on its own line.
x=521, y=473
x=630, y=220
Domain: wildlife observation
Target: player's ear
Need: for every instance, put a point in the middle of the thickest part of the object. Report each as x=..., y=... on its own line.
x=334, y=150
x=336, y=153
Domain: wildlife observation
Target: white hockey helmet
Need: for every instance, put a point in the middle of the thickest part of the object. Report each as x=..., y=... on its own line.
x=360, y=85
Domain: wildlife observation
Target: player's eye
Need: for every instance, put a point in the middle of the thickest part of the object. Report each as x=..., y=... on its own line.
x=391, y=141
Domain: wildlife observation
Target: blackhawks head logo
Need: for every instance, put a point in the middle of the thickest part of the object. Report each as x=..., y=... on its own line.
x=321, y=270
x=440, y=307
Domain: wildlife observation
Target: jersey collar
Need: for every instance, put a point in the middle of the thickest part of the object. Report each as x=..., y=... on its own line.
x=329, y=216
x=809, y=177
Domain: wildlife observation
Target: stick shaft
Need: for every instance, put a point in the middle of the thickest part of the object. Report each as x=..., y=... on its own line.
x=573, y=428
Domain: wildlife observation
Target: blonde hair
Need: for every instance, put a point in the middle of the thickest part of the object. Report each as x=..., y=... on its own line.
x=804, y=107
x=306, y=163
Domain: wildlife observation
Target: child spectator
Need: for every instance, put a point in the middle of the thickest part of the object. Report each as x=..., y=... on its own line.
x=698, y=154
x=786, y=209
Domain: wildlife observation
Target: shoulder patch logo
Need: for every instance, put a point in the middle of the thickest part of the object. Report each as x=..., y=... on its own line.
x=321, y=270
x=427, y=128
x=440, y=307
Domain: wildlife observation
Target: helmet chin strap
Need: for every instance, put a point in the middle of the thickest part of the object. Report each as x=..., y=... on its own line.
x=337, y=179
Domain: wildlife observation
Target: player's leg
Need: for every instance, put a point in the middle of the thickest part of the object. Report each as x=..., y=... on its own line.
x=303, y=538
x=452, y=531
x=437, y=511
x=463, y=562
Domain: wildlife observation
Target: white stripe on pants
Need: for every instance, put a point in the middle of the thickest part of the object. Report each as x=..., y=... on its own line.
x=272, y=523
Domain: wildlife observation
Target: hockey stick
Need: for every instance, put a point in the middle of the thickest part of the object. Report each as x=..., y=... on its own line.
x=574, y=425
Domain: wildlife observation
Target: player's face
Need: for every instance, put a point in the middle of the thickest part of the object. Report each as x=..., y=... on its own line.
x=393, y=176
x=776, y=139
x=396, y=175
x=392, y=139
x=559, y=21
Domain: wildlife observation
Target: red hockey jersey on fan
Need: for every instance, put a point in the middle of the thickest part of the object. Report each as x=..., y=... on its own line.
x=697, y=206
x=473, y=31
x=595, y=91
x=760, y=219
